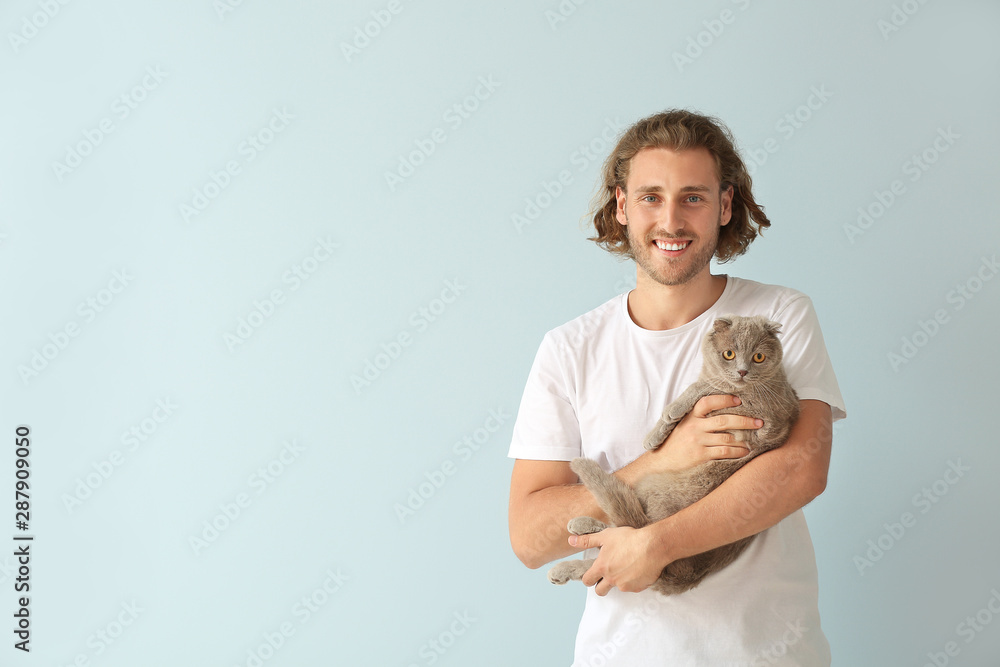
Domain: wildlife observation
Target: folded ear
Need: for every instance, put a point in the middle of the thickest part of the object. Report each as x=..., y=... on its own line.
x=772, y=327
x=721, y=324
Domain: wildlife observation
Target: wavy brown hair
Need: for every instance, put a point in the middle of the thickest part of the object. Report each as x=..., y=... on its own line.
x=679, y=129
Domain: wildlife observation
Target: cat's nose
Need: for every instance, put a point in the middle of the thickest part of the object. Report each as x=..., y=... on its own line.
x=743, y=374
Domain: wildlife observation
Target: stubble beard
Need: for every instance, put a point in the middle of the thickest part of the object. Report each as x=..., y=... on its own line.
x=668, y=271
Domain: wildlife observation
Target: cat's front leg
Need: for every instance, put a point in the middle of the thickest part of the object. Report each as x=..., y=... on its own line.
x=658, y=435
x=569, y=569
x=672, y=415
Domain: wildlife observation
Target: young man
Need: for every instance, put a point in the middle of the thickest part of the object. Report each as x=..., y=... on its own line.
x=676, y=193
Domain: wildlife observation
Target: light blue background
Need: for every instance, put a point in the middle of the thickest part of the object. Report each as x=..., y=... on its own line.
x=333, y=507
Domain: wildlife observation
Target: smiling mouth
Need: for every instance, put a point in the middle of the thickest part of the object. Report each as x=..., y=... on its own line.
x=671, y=245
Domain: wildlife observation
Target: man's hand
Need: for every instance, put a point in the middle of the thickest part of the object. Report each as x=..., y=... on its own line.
x=699, y=438
x=627, y=560
x=545, y=495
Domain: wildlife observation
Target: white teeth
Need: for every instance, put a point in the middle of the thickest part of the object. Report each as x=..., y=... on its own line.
x=663, y=245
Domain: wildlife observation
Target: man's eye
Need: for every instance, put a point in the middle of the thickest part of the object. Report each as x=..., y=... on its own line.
x=694, y=198
x=649, y=198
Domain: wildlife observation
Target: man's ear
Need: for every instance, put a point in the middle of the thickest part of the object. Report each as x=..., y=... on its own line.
x=726, y=199
x=620, y=209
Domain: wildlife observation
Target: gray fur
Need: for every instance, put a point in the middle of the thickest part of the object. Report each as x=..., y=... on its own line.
x=764, y=392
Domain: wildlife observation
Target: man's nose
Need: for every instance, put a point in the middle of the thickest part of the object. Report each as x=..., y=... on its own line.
x=673, y=219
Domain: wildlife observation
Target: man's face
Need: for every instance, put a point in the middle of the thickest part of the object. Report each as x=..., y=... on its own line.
x=673, y=211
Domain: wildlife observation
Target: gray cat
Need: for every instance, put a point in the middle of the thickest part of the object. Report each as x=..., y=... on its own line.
x=742, y=356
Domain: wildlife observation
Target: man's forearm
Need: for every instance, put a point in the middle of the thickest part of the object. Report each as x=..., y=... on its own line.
x=757, y=496
x=538, y=530
x=538, y=522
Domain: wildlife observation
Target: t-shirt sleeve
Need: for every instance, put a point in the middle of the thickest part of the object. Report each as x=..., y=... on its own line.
x=546, y=427
x=806, y=360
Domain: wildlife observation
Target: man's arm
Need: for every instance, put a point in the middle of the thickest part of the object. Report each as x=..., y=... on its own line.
x=545, y=495
x=756, y=497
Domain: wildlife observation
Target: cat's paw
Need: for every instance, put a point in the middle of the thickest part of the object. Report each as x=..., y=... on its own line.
x=561, y=573
x=569, y=569
x=651, y=442
x=676, y=412
x=585, y=525
x=658, y=435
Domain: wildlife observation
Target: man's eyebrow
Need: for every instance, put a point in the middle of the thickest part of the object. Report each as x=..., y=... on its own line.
x=644, y=189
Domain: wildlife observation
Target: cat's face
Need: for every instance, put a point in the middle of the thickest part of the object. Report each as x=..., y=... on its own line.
x=742, y=351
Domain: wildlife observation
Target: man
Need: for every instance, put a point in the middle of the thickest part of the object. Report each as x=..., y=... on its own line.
x=675, y=193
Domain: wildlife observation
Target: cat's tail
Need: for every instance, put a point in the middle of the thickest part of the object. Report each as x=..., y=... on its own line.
x=616, y=498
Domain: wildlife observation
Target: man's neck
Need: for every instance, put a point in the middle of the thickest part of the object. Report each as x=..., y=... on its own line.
x=660, y=307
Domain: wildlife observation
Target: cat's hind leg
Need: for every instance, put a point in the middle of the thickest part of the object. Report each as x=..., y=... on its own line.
x=585, y=525
x=569, y=569
x=616, y=498
x=574, y=569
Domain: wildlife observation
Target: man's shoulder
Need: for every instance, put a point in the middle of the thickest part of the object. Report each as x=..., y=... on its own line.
x=764, y=296
x=585, y=326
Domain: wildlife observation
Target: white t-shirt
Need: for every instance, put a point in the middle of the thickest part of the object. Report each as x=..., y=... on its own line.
x=597, y=386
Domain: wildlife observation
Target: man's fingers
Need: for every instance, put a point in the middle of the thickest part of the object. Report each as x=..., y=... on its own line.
x=591, y=576
x=724, y=422
x=585, y=541
x=728, y=452
x=734, y=423
x=712, y=402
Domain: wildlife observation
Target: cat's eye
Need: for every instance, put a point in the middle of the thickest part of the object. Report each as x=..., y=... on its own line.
x=728, y=355
x=759, y=357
